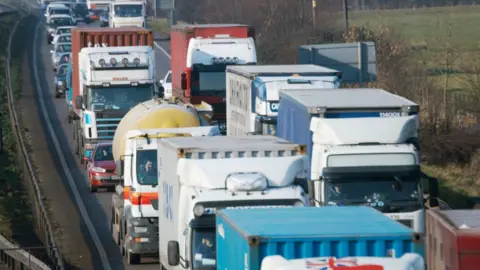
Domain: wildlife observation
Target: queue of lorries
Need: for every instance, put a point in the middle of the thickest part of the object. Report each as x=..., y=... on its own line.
x=230, y=164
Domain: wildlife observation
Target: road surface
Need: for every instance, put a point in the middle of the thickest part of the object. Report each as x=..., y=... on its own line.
x=96, y=205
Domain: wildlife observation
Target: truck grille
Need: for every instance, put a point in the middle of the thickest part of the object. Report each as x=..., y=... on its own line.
x=406, y=222
x=106, y=127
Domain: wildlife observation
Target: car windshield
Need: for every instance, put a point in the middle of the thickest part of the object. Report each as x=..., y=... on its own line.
x=62, y=71
x=128, y=10
x=60, y=21
x=169, y=78
x=59, y=11
x=81, y=9
x=208, y=82
x=63, y=48
x=64, y=58
x=64, y=31
x=378, y=192
x=118, y=97
x=204, y=248
x=103, y=153
x=66, y=38
x=147, y=167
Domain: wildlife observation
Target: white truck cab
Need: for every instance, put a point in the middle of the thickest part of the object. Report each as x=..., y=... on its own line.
x=409, y=261
x=127, y=13
x=200, y=175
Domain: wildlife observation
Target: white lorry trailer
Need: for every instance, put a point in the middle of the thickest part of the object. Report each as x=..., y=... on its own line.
x=201, y=175
x=134, y=216
x=363, y=148
x=252, y=93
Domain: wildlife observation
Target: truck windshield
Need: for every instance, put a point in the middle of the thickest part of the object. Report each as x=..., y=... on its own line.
x=128, y=10
x=204, y=249
x=387, y=194
x=208, y=83
x=118, y=97
x=147, y=167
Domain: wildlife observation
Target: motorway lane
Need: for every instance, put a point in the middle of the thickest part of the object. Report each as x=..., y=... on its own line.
x=97, y=204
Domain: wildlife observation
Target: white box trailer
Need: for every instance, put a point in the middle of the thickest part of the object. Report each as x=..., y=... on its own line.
x=200, y=175
x=252, y=93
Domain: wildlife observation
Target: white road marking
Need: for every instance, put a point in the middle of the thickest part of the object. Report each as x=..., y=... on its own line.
x=162, y=49
x=68, y=174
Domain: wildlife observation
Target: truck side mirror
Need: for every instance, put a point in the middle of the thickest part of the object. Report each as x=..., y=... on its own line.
x=433, y=187
x=119, y=167
x=79, y=102
x=184, y=81
x=173, y=253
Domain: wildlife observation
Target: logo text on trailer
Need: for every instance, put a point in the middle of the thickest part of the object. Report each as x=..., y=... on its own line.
x=167, y=195
x=390, y=114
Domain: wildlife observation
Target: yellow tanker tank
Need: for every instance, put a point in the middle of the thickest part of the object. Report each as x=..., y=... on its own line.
x=154, y=114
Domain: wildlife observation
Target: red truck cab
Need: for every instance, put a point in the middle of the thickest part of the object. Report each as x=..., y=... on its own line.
x=199, y=56
x=101, y=168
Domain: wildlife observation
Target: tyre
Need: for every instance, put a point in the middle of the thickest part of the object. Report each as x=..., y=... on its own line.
x=57, y=94
x=133, y=258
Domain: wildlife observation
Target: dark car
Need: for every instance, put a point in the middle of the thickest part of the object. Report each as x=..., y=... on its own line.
x=101, y=167
x=60, y=80
x=104, y=18
x=81, y=11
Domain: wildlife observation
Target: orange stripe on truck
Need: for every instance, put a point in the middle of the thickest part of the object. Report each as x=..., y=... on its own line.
x=143, y=198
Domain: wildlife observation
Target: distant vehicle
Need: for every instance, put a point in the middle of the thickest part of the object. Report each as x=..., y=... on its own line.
x=50, y=6
x=127, y=14
x=94, y=14
x=60, y=80
x=104, y=18
x=62, y=38
x=58, y=51
x=167, y=84
x=56, y=21
x=81, y=11
x=101, y=168
x=65, y=58
x=63, y=11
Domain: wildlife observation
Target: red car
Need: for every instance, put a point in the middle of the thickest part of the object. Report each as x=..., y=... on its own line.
x=101, y=168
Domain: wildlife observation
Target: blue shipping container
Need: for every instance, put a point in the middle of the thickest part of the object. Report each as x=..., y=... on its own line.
x=298, y=106
x=246, y=236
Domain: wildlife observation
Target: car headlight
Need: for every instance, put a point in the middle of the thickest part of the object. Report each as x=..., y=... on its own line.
x=98, y=170
x=60, y=83
x=140, y=229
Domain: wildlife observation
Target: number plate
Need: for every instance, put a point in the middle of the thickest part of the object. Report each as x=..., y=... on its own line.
x=114, y=177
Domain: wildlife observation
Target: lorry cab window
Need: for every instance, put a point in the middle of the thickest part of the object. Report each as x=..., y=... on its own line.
x=128, y=10
x=204, y=248
x=147, y=167
x=205, y=82
x=379, y=192
x=119, y=97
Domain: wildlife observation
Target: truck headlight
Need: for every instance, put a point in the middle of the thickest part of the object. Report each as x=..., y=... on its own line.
x=140, y=229
x=98, y=170
x=298, y=204
x=198, y=210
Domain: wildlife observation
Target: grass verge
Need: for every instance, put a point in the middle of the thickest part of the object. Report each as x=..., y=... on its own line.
x=16, y=215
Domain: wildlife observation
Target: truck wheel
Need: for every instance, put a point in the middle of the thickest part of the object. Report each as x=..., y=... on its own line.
x=133, y=258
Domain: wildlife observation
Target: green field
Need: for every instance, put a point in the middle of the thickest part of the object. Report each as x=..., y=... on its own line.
x=437, y=30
